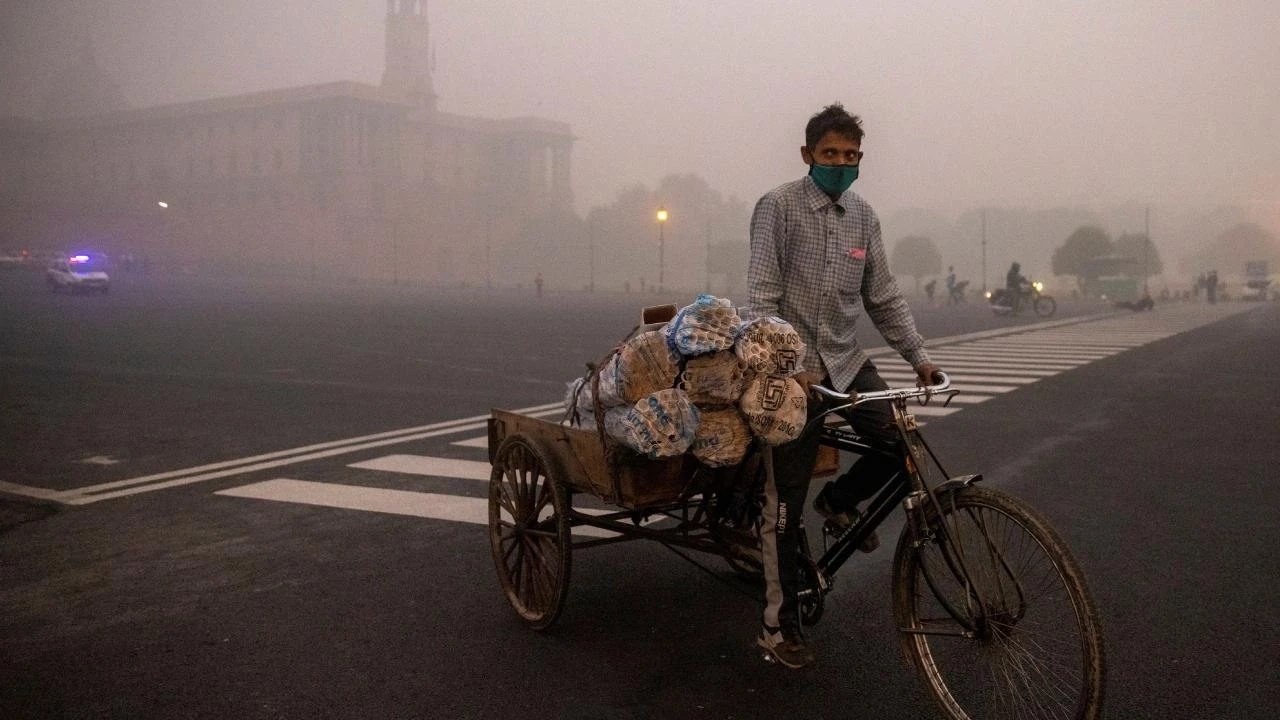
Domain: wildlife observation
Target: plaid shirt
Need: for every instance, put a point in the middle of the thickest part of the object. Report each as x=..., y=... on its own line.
x=817, y=264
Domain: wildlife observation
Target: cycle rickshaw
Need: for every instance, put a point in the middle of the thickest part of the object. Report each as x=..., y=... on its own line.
x=990, y=607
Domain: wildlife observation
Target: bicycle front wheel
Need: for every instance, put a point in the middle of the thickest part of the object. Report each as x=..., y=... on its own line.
x=1023, y=639
x=1045, y=306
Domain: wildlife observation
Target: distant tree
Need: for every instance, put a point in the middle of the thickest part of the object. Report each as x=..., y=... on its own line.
x=917, y=256
x=1086, y=243
x=1238, y=245
x=704, y=239
x=1145, y=253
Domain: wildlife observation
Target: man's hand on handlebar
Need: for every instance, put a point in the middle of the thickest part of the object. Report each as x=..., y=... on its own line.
x=927, y=374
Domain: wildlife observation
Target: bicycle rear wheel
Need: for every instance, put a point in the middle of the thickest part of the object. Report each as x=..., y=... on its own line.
x=1024, y=640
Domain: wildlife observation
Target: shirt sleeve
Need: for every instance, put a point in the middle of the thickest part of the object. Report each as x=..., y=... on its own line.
x=764, y=270
x=885, y=304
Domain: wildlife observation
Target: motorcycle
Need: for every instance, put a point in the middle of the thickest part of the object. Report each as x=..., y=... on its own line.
x=1004, y=303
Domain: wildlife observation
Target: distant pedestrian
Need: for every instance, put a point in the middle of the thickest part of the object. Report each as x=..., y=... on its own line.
x=537, y=282
x=928, y=289
x=1211, y=286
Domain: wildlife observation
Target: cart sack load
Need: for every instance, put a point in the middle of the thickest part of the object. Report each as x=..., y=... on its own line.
x=652, y=393
x=707, y=325
x=769, y=345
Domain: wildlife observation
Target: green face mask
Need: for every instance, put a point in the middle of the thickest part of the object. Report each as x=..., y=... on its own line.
x=833, y=179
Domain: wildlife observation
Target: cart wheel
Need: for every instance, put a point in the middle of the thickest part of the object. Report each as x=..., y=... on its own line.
x=529, y=531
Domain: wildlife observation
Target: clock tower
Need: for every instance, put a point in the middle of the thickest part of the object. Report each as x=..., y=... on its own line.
x=407, y=72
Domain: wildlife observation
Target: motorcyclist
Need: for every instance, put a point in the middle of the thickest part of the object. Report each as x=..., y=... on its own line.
x=1016, y=285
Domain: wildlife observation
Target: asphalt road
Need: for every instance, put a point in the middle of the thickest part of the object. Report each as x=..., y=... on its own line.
x=191, y=601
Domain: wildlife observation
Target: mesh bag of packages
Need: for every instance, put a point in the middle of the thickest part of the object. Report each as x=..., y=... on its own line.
x=708, y=325
x=775, y=408
x=713, y=380
x=577, y=403
x=585, y=419
x=769, y=345
x=645, y=364
x=722, y=438
x=610, y=394
x=660, y=425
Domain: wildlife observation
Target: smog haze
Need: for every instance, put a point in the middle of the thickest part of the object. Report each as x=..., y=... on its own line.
x=1000, y=103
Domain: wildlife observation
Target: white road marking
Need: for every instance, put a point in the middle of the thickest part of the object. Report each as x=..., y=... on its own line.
x=997, y=362
x=932, y=410
x=475, y=442
x=84, y=496
x=957, y=368
x=100, y=460
x=908, y=377
x=436, y=506
x=426, y=465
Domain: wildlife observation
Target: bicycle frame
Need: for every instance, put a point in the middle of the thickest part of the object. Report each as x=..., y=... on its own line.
x=908, y=487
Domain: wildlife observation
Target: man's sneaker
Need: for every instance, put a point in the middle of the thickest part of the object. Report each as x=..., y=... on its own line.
x=842, y=520
x=791, y=652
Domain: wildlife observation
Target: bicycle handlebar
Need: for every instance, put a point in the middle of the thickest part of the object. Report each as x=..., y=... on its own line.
x=891, y=394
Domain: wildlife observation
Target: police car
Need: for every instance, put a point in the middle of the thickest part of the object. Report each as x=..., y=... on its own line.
x=87, y=273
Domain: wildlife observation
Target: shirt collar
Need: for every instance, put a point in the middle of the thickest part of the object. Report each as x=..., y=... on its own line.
x=818, y=199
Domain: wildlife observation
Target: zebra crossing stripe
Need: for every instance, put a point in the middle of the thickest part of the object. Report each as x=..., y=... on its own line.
x=425, y=465
x=435, y=506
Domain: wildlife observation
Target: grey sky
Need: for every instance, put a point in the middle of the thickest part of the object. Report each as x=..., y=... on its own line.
x=993, y=102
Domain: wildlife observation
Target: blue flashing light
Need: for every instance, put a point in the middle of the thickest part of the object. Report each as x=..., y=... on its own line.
x=79, y=258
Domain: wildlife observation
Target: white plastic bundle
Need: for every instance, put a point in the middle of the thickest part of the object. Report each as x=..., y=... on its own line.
x=661, y=425
x=714, y=380
x=722, y=438
x=769, y=345
x=775, y=408
x=708, y=325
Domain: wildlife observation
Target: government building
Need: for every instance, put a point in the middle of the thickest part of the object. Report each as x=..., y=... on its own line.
x=341, y=180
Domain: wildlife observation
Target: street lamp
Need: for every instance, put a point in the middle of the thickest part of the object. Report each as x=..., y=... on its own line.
x=591, y=252
x=662, y=244
x=1146, y=250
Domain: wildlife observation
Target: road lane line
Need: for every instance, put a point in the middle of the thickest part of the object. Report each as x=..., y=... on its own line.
x=306, y=452
x=75, y=498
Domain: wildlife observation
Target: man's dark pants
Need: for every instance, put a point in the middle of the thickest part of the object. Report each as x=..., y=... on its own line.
x=786, y=491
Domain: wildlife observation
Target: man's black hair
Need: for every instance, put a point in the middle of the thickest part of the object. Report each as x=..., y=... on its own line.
x=832, y=118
